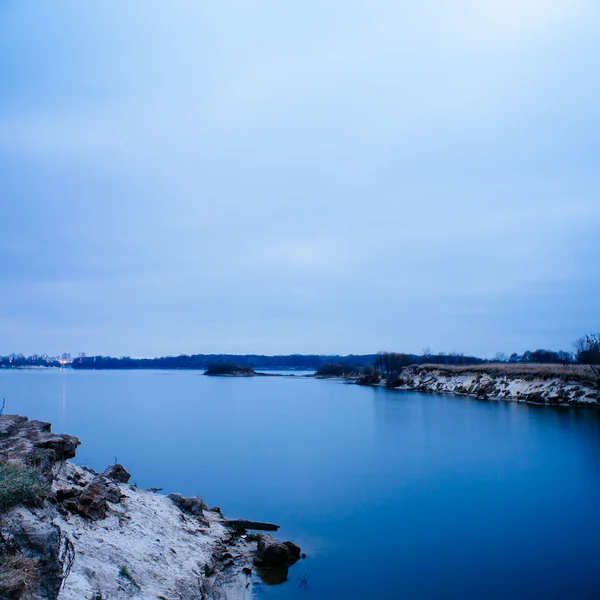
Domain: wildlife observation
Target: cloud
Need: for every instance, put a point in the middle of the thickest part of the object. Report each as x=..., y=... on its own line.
x=257, y=176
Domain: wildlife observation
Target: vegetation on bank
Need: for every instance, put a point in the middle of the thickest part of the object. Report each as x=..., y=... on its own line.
x=337, y=370
x=583, y=365
x=587, y=352
x=525, y=370
x=230, y=369
x=205, y=361
x=20, y=485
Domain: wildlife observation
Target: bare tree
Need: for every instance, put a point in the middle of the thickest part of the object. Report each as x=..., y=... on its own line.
x=587, y=351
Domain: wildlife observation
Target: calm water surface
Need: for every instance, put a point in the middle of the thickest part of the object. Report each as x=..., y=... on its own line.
x=391, y=494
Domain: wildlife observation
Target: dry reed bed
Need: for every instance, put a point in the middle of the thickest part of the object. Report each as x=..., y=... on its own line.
x=566, y=372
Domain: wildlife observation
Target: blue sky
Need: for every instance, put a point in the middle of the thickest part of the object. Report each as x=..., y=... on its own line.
x=274, y=177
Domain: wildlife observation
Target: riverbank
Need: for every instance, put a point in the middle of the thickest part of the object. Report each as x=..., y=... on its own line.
x=536, y=384
x=70, y=533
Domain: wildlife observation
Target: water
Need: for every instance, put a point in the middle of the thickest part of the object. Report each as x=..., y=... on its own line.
x=390, y=494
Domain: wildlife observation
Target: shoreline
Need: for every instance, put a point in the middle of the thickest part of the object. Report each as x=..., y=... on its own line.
x=94, y=536
x=535, y=387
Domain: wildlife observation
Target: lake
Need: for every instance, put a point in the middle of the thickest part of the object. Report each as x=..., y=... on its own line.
x=390, y=494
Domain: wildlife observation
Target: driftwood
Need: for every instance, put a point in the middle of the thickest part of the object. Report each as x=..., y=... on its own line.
x=257, y=525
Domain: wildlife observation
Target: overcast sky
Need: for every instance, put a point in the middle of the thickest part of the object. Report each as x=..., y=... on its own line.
x=316, y=176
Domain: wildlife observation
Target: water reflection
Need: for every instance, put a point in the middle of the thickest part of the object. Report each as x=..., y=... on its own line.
x=63, y=395
x=273, y=576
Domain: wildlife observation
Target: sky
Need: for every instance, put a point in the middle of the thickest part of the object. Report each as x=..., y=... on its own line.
x=317, y=177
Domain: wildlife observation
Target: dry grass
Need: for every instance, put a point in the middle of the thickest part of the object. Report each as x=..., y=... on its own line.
x=18, y=576
x=20, y=484
x=573, y=372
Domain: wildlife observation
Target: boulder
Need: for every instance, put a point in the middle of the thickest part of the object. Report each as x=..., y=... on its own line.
x=193, y=505
x=94, y=499
x=118, y=473
x=273, y=554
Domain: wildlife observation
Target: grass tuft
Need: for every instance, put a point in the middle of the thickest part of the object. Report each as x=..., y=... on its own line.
x=124, y=572
x=20, y=485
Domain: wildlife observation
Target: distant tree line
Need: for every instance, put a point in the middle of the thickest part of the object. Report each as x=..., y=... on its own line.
x=338, y=370
x=19, y=360
x=204, y=361
x=538, y=356
x=384, y=364
x=392, y=362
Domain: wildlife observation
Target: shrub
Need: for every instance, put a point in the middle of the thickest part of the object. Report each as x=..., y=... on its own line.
x=20, y=485
x=229, y=369
x=336, y=370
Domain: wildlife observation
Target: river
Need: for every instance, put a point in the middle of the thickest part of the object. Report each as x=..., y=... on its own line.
x=391, y=494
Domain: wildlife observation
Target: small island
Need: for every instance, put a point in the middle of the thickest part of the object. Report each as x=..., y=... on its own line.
x=227, y=369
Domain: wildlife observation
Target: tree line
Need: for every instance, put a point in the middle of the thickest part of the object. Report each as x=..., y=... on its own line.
x=388, y=365
x=204, y=361
x=587, y=352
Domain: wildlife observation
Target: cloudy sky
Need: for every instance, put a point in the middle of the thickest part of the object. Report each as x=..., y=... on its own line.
x=317, y=176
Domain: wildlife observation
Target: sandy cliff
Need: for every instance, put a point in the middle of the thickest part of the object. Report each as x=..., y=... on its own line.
x=542, y=387
x=93, y=536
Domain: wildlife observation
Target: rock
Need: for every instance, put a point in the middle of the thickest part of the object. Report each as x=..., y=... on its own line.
x=193, y=505
x=63, y=446
x=41, y=541
x=118, y=473
x=63, y=494
x=244, y=524
x=93, y=501
x=273, y=554
x=32, y=442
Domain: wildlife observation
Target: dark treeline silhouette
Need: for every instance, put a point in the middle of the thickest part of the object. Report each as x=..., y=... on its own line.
x=228, y=368
x=587, y=352
x=392, y=362
x=539, y=356
x=18, y=360
x=339, y=370
x=204, y=361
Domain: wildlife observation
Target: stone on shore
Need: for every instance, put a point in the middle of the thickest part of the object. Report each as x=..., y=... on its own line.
x=273, y=554
x=118, y=473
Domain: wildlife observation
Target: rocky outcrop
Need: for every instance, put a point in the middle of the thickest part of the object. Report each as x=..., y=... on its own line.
x=93, y=500
x=33, y=442
x=95, y=536
x=499, y=384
